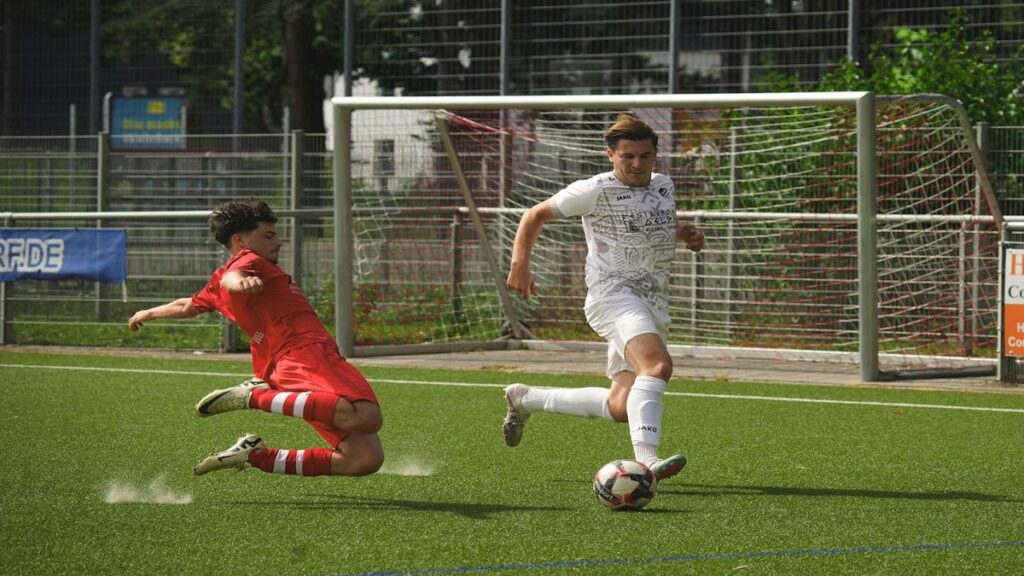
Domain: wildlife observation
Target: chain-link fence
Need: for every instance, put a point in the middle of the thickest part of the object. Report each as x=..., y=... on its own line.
x=167, y=257
x=1006, y=155
x=172, y=257
x=60, y=58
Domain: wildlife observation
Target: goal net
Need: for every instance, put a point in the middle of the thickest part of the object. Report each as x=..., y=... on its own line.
x=436, y=190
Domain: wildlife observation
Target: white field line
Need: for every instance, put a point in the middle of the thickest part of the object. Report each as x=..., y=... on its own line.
x=485, y=385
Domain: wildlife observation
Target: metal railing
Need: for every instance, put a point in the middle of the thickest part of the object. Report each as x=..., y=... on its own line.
x=61, y=182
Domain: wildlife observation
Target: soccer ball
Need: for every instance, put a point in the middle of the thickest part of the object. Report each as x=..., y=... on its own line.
x=624, y=485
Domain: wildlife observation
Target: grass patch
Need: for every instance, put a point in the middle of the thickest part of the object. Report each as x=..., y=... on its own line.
x=773, y=487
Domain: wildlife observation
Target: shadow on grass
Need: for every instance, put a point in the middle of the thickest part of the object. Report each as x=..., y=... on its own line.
x=740, y=490
x=475, y=511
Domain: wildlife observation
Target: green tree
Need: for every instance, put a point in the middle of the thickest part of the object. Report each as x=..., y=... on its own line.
x=947, y=61
x=291, y=46
x=288, y=50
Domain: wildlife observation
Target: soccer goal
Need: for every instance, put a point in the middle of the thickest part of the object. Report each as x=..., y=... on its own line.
x=840, y=226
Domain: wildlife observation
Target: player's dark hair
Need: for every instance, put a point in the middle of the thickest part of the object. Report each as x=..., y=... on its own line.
x=239, y=216
x=629, y=127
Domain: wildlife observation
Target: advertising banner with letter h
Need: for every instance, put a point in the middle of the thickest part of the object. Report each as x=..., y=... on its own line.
x=1013, y=303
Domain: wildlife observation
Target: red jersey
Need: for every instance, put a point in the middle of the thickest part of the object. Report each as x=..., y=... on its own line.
x=276, y=318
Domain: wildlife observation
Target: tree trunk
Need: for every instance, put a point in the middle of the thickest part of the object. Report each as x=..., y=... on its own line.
x=304, y=98
x=9, y=69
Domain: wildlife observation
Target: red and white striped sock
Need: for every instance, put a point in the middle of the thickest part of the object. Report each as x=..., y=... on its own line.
x=312, y=406
x=308, y=462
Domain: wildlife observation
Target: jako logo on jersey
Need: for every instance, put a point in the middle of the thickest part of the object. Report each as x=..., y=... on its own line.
x=258, y=337
x=622, y=197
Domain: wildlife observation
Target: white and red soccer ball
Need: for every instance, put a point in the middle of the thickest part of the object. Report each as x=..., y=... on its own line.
x=625, y=485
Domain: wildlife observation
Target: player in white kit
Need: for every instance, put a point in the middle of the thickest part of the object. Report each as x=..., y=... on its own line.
x=629, y=220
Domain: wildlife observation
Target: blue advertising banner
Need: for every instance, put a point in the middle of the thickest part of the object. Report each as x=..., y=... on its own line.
x=147, y=124
x=56, y=254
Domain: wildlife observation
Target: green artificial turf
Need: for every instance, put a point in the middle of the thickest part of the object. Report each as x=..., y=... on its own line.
x=773, y=486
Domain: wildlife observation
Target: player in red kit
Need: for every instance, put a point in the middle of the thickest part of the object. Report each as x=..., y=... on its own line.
x=298, y=370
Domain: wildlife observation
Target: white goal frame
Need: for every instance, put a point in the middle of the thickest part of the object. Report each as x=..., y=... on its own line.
x=864, y=104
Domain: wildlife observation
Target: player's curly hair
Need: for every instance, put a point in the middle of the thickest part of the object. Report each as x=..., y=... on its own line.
x=238, y=216
x=629, y=127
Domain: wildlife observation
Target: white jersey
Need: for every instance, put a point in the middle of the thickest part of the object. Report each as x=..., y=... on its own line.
x=630, y=232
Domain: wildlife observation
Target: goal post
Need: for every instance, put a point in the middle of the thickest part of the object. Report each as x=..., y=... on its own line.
x=787, y=184
x=867, y=238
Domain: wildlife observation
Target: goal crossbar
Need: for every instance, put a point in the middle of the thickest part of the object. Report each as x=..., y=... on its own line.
x=765, y=99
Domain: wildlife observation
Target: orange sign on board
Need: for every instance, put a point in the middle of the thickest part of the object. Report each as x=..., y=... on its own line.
x=1013, y=304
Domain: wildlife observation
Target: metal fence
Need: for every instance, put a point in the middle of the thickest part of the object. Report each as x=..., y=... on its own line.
x=85, y=173
x=188, y=48
x=1005, y=146
x=169, y=257
x=172, y=257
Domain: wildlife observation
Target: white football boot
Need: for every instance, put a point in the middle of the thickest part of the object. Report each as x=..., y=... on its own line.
x=515, y=419
x=226, y=399
x=235, y=457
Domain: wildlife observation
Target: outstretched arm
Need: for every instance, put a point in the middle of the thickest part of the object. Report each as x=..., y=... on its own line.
x=520, y=278
x=180, y=308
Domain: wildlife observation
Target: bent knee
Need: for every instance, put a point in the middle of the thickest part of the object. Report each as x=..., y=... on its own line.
x=368, y=467
x=367, y=464
x=368, y=421
x=662, y=369
x=361, y=417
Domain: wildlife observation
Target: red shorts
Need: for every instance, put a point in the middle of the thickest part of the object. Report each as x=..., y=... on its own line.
x=318, y=367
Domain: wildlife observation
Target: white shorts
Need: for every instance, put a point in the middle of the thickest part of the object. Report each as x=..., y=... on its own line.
x=621, y=318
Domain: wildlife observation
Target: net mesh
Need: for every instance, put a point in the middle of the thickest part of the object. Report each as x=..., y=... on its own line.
x=775, y=191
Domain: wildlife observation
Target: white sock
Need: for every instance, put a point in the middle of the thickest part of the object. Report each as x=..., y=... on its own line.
x=574, y=401
x=643, y=409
